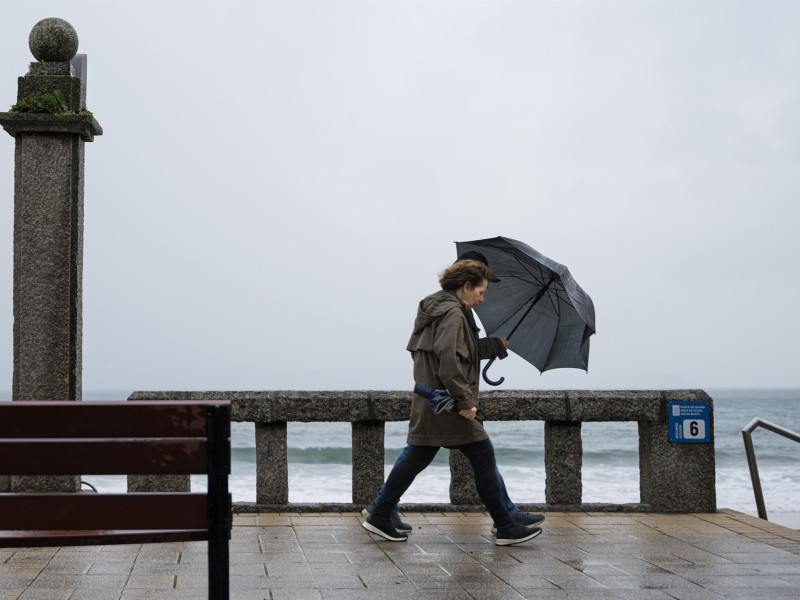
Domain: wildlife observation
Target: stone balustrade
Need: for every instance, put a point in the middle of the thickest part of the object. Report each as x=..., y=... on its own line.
x=673, y=477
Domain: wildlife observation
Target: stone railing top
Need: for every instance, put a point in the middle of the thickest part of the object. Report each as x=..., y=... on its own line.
x=506, y=405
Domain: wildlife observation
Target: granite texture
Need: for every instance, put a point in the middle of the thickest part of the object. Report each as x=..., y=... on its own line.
x=48, y=236
x=676, y=477
x=85, y=126
x=48, y=264
x=367, y=405
x=673, y=477
x=367, y=460
x=51, y=68
x=625, y=405
x=53, y=40
x=272, y=474
x=49, y=483
x=563, y=459
x=159, y=483
x=462, y=480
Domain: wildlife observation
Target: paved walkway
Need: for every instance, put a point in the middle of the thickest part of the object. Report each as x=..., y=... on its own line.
x=449, y=556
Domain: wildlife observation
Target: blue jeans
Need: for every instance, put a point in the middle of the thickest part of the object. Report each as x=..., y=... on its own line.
x=479, y=454
x=510, y=506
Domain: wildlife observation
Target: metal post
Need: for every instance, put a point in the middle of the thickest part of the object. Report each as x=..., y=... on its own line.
x=219, y=466
x=751, y=463
x=751, y=456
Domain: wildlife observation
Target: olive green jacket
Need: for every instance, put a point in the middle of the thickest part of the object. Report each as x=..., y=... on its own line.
x=447, y=353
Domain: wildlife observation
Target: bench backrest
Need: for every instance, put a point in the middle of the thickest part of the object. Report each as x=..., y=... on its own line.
x=116, y=438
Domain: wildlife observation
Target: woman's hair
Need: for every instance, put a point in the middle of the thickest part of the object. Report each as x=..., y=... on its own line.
x=464, y=271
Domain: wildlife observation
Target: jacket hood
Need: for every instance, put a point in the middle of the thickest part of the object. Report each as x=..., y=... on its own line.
x=433, y=307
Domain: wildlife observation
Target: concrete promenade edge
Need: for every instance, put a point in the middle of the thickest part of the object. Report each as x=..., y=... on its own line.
x=449, y=556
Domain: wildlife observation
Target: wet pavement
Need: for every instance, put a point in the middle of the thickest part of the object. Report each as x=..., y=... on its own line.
x=448, y=556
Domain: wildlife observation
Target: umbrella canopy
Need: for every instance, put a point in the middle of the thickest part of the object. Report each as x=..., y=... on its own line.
x=537, y=305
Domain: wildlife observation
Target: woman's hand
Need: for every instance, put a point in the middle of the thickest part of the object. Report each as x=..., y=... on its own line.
x=468, y=413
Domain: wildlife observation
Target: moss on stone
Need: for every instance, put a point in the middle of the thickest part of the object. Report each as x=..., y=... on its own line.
x=47, y=102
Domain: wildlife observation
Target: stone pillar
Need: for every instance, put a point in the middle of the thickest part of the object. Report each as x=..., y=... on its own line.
x=462, y=480
x=563, y=458
x=368, y=459
x=676, y=477
x=50, y=130
x=272, y=463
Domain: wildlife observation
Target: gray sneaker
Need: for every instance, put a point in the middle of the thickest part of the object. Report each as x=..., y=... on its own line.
x=397, y=522
x=524, y=518
x=516, y=535
x=385, y=530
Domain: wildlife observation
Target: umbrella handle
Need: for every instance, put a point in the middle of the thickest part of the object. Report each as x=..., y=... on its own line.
x=486, y=377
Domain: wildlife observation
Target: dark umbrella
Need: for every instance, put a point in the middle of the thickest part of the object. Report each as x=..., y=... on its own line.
x=537, y=302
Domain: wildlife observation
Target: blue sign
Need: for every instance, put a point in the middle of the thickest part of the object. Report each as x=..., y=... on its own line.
x=689, y=422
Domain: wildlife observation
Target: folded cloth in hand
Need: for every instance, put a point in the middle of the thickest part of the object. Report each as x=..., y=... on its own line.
x=439, y=400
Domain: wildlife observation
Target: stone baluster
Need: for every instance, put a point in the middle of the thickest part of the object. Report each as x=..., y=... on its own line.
x=563, y=459
x=368, y=452
x=462, y=480
x=272, y=473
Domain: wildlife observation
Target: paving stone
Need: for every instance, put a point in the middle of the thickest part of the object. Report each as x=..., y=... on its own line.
x=22, y=568
x=558, y=594
x=158, y=582
x=27, y=556
x=15, y=582
x=278, y=594
x=198, y=569
x=139, y=594
x=491, y=594
x=586, y=556
x=95, y=595
x=67, y=567
x=111, y=568
x=645, y=595
x=47, y=594
x=158, y=557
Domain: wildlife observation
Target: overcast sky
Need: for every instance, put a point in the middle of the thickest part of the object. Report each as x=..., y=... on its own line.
x=279, y=183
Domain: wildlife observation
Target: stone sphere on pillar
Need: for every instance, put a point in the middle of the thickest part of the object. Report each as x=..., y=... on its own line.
x=53, y=40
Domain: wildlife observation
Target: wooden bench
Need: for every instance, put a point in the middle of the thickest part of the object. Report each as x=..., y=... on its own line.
x=119, y=438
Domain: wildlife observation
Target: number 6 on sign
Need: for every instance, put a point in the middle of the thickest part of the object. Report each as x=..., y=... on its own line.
x=694, y=430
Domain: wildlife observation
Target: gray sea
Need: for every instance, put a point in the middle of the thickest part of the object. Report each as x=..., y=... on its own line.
x=320, y=455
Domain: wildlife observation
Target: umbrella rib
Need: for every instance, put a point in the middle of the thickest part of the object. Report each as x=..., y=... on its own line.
x=556, y=305
x=564, y=298
x=512, y=315
x=527, y=270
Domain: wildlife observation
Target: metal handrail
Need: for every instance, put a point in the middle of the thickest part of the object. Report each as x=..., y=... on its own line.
x=751, y=456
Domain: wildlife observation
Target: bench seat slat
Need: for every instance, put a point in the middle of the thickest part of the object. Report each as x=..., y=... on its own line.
x=104, y=511
x=38, y=538
x=103, y=419
x=103, y=456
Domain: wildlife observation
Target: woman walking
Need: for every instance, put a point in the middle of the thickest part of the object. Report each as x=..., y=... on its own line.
x=444, y=348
